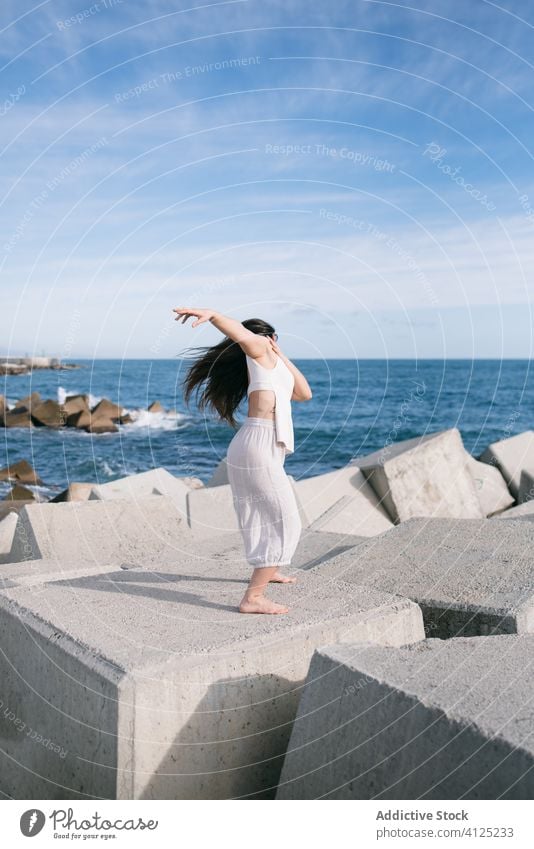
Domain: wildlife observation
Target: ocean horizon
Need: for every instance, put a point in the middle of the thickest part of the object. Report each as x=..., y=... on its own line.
x=357, y=407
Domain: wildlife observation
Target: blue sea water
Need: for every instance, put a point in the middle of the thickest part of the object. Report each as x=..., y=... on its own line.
x=357, y=407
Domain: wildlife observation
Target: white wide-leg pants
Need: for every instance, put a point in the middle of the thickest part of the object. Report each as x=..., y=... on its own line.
x=263, y=496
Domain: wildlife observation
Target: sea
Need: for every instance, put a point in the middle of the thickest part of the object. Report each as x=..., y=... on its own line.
x=358, y=406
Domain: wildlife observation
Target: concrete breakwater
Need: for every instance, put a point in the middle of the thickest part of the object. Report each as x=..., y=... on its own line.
x=403, y=669
x=75, y=412
x=25, y=365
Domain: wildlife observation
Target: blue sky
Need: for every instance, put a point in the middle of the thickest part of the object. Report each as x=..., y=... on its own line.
x=358, y=173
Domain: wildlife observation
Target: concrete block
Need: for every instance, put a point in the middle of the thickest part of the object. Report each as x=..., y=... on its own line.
x=74, y=492
x=96, y=532
x=220, y=475
x=426, y=476
x=7, y=507
x=150, y=684
x=521, y=511
x=342, y=502
x=215, y=553
x=471, y=577
x=526, y=487
x=492, y=491
x=154, y=482
x=436, y=720
x=512, y=456
x=7, y=533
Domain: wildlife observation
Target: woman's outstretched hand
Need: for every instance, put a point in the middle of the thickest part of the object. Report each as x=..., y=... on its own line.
x=202, y=315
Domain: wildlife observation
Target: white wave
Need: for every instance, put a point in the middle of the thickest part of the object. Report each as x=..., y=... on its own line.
x=155, y=421
x=62, y=395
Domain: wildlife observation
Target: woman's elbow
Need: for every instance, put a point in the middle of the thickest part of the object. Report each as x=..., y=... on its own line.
x=303, y=396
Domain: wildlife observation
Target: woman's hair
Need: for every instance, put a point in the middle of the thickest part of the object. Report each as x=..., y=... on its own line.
x=219, y=374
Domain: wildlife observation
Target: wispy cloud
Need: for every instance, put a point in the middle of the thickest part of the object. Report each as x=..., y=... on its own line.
x=262, y=154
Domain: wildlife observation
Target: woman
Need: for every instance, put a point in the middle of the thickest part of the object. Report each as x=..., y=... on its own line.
x=249, y=362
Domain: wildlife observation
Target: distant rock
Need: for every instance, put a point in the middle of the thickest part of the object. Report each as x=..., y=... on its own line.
x=20, y=493
x=156, y=407
x=76, y=404
x=127, y=419
x=22, y=472
x=3, y=410
x=79, y=420
x=107, y=410
x=49, y=414
x=18, y=419
x=101, y=425
x=28, y=403
x=12, y=368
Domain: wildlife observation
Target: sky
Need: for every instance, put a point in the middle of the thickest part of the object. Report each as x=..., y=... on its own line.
x=360, y=174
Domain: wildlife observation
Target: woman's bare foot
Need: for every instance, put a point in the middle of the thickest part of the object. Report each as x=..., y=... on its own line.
x=278, y=578
x=260, y=604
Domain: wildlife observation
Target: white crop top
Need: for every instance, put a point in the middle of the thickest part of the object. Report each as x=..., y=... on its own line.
x=281, y=381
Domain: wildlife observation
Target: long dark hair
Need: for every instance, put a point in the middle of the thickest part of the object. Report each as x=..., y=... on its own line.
x=218, y=375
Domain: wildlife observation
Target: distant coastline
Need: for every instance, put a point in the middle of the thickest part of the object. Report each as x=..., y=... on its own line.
x=25, y=365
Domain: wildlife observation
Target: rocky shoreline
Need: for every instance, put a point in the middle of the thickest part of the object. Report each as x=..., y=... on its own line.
x=75, y=412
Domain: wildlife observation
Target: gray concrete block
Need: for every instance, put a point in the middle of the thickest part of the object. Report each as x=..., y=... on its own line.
x=98, y=532
x=154, y=482
x=75, y=492
x=526, y=487
x=437, y=720
x=493, y=494
x=521, y=511
x=426, y=476
x=470, y=576
x=512, y=456
x=342, y=502
x=7, y=533
x=223, y=551
x=157, y=688
x=220, y=475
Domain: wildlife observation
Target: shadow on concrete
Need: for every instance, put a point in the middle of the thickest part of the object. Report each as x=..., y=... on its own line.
x=232, y=745
x=121, y=582
x=338, y=549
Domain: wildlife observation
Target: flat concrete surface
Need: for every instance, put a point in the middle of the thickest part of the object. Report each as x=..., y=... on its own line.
x=425, y=476
x=155, y=686
x=216, y=554
x=436, y=720
x=470, y=576
x=140, y=618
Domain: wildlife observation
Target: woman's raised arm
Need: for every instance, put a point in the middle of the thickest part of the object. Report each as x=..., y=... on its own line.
x=252, y=344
